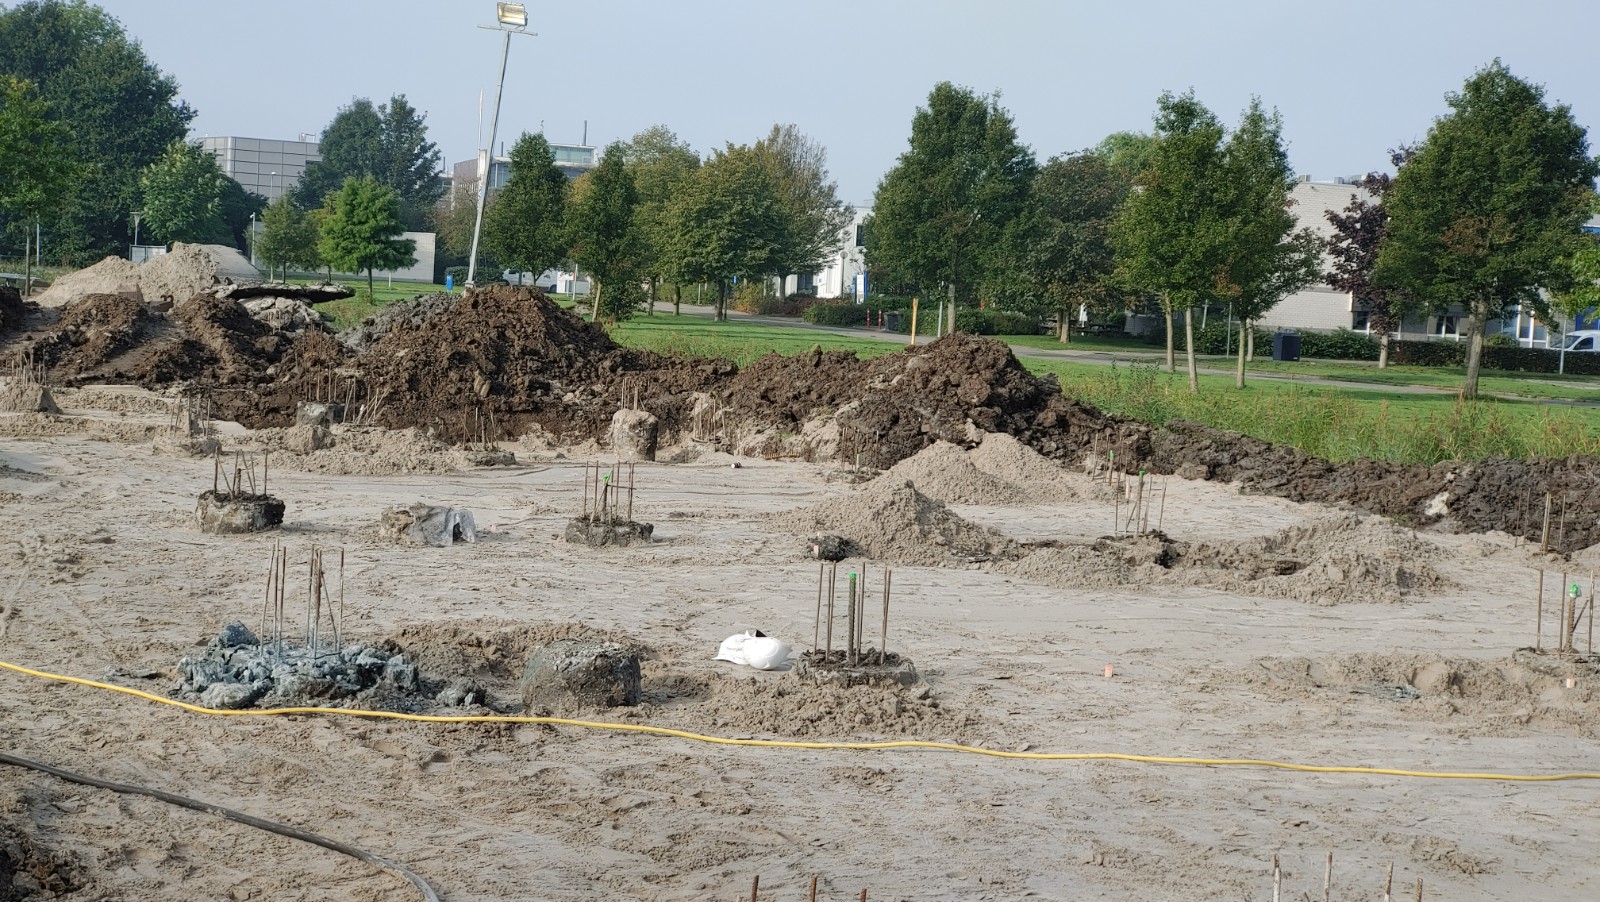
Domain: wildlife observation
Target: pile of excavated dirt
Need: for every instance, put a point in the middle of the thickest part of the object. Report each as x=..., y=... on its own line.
x=946, y=472
x=1494, y=697
x=184, y=272
x=892, y=521
x=361, y=451
x=90, y=336
x=1338, y=560
x=410, y=314
x=13, y=311
x=1038, y=478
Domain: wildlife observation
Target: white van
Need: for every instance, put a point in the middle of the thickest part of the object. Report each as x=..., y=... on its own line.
x=1583, y=340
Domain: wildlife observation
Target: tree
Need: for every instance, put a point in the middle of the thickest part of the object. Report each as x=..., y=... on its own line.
x=1581, y=295
x=1126, y=152
x=234, y=211
x=1490, y=206
x=526, y=229
x=182, y=193
x=1169, y=236
x=388, y=142
x=728, y=222
x=1062, y=243
x=36, y=171
x=605, y=236
x=661, y=166
x=1358, y=233
x=815, y=217
x=361, y=229
x=1268, y=258
x=288, y=238
x=941, y=212
x=119, y=112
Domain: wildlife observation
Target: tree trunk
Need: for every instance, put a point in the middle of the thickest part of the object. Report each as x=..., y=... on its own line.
x=1166, y=309
x=1475, y=324
x=27, y=265
x=1188, y=352
x=721, y=311
x=369, y=285
x=653, y=295
x=594, y=300
x=1383, y=351
x=677, y=299
x=1065, y=327
x=1250, y=342
x=1239, y=382
x=951, y=322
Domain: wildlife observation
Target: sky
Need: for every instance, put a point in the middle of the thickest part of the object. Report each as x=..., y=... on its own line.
x=1352, y=79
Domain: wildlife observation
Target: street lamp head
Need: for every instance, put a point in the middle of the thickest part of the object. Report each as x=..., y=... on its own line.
x=512, y=14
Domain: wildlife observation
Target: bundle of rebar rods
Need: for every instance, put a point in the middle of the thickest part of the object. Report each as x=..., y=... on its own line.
x=854, y=653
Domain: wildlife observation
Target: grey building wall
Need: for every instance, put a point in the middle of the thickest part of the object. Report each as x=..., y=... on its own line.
x=260, y=165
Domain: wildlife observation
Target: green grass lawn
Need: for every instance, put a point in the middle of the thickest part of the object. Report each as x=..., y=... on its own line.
x=736, y=341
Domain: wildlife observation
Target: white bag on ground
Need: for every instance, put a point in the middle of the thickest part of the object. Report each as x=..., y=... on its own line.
x=753, y=649
x=441, y=527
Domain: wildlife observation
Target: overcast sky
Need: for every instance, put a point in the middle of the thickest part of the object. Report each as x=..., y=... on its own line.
x=1352, y=79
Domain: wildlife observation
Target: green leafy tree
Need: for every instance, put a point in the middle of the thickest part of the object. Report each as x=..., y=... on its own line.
x=728, y=222
x=36, y=171
x=234, y=211
x=288, y=238
x=526, y=229
x=1061, y=245
x=1581, y=294
x=815, y=217
x=1268, y=257
x=605, y=236
x=182, y=194
x=388, y=142
x=661, y=166
x=1169, y=235
x=1490, y=207
x=1126, y=152
x=119, y=111
x=943, y=209
x=361, y=228
x=1358, y=232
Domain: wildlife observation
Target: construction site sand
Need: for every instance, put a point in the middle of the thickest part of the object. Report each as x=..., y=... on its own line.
x=103, y=578
x=891, y=520
x=1337, y=560
x=187, y=270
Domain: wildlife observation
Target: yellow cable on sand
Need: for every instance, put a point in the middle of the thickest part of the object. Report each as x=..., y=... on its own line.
x=798, y=744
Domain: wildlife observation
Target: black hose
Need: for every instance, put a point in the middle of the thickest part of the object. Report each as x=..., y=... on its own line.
x=382, y=864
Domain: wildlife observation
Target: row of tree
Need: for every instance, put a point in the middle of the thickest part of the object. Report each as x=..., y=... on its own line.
x=653, y=212
x=1484, y=215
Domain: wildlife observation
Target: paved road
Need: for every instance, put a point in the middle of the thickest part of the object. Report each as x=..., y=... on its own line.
x=1097, y=357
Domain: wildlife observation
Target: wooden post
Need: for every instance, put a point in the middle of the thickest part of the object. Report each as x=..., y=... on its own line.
x=1388, y=885
x=813, y=890
x=755, y=887
x=816, y=628
x=1419, y=889
x=1277, y=881
x=1327, y=878
x=1538, y=614
x=883, y=637
x=833, y=583
x=910, y=344
x=1544, y=540
x=1563, y=640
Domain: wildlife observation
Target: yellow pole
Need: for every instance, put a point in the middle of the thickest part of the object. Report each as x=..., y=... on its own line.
x=913, y=323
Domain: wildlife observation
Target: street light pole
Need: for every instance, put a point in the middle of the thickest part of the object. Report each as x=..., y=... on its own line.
x=513, y=18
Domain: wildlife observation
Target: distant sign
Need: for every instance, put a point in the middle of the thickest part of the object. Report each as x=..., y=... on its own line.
x=861, y=286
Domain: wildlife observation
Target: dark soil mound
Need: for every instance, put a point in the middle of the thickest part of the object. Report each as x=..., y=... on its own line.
x=93, y=332
x=411, y=314
x=506, y=350
x=221, y=344
x=12, y=311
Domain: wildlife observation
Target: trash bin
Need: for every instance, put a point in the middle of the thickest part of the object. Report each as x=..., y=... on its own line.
x=891, y=321
x=1285, y=346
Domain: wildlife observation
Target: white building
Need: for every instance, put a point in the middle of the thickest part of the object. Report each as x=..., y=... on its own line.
x=263, y=166
x=1321, y=308
x=837, y=279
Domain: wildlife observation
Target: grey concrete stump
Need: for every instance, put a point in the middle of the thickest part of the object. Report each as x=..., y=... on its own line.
x=633, y=435
x=580, y=674
x=306, y=439
x=313, y=413
x=424, y=524
x=836, y=670
x=220, y=513
x=600, y=534
x=829, y=548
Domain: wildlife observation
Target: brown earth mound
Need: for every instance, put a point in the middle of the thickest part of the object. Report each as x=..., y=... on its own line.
x=945, y=472
x=92, y=333
x=1337, y=560
x=12, y=310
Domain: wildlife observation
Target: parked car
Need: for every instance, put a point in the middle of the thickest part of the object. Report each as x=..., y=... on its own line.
x=1583, y=340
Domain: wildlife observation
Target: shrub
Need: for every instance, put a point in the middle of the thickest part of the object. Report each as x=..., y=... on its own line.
x=1428, y=353
x=1340, y=344
x=836, y=314
x=793, y=305
x=747, y=296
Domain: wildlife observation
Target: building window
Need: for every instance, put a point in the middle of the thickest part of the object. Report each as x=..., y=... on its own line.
x=1361, y=321
x=861, y=236
x=1445, y=326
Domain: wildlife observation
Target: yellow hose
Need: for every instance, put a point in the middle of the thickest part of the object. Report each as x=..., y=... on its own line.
x=799, y=744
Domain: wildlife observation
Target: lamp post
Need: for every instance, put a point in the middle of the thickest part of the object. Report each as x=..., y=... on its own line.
x=252, y=238
x=513, y=18
x=136, y=217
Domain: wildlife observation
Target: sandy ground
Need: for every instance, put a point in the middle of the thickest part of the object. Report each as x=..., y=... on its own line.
x=103, y=575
